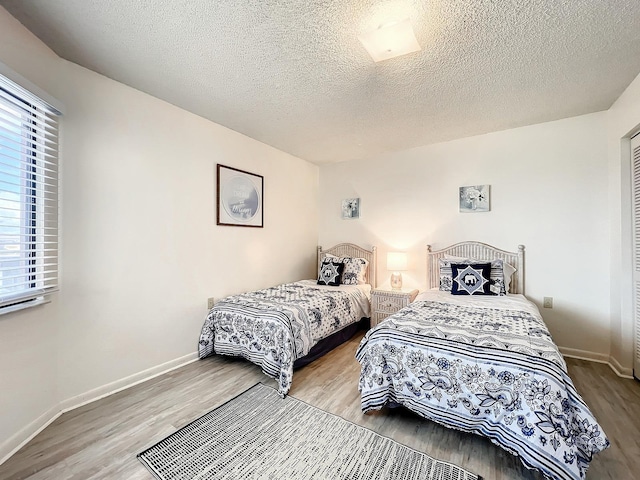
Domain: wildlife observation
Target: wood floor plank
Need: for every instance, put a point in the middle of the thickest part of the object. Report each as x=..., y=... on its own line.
x=100, y=440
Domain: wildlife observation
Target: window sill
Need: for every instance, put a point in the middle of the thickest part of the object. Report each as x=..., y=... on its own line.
x=21, y=306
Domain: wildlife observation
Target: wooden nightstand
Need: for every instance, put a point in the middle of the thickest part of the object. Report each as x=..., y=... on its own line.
x=388, y=302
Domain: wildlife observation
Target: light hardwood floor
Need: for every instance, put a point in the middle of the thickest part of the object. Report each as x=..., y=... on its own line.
x=101, y=440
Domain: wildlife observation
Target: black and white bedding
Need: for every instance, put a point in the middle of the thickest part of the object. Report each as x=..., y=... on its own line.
x=485, y=365
x=276, y=326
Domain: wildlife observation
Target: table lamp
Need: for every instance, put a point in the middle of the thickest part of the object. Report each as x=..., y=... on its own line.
x=396, y=262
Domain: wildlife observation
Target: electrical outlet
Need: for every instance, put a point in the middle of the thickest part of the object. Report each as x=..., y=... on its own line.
x=547, y=302
x=210, y=303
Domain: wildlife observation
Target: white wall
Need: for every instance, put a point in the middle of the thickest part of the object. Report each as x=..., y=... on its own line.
x=28, y=339
x=140, y=248
x=142, y=251
x=623, y=119
x=548, y=192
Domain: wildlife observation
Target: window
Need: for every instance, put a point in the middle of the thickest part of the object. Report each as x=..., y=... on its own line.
x=28, y=197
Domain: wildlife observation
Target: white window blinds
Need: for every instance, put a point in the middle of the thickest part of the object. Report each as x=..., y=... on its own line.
x=28, y=196
x=635, y=159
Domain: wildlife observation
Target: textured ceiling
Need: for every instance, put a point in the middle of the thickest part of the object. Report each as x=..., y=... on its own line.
x=293, y=74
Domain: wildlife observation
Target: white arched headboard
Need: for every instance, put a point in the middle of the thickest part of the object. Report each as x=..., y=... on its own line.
x=479, y=251
x=354, y=251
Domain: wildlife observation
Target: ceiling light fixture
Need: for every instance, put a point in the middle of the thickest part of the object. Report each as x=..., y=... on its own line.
x=390, y=40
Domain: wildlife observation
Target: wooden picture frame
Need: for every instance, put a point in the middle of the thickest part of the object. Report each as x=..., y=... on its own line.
x=239, y=198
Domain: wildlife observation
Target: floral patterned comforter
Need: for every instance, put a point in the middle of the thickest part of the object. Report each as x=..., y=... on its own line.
x=274, y=327
x=487, y=367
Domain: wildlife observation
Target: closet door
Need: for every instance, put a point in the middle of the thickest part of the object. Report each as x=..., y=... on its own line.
x=635, y=158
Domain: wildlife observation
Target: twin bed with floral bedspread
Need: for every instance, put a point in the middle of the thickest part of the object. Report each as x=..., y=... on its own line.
x=484, y=364
x=283, y=327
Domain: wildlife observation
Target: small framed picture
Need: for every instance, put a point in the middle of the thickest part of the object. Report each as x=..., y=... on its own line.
x=239, y=198
x=475, y=198
x=351, y=208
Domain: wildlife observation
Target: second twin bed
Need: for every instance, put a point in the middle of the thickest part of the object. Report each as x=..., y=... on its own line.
x=483, y=364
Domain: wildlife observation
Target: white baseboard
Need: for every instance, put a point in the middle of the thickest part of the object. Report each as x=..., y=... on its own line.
x=124, y=383
x=21, y=438
x=600, y=358
x=584, y=355
x=17, y=441
x=619, y=369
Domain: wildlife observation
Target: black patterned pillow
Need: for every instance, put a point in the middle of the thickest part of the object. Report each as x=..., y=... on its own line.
x=471, y=279
x=496, y=277
x=354, y=271
x=507, y=269
x=330, y=273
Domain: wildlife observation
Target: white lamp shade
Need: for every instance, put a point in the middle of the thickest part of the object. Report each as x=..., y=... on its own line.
x=396, y=261
x=390, y=40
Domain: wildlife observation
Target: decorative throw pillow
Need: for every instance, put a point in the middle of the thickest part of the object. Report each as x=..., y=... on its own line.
x=507, y=269
x=496, y=277
x=471, y=279
x=354, y=271
x=445, y=274
x=330, y=273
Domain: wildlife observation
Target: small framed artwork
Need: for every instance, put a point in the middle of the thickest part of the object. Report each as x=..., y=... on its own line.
x=475, y=198
x=351, y=208
x=239, y=198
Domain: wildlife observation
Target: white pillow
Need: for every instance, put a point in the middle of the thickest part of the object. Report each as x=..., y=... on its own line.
x=507, y=269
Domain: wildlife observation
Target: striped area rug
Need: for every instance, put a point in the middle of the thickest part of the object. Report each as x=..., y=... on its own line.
x=258, y=435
